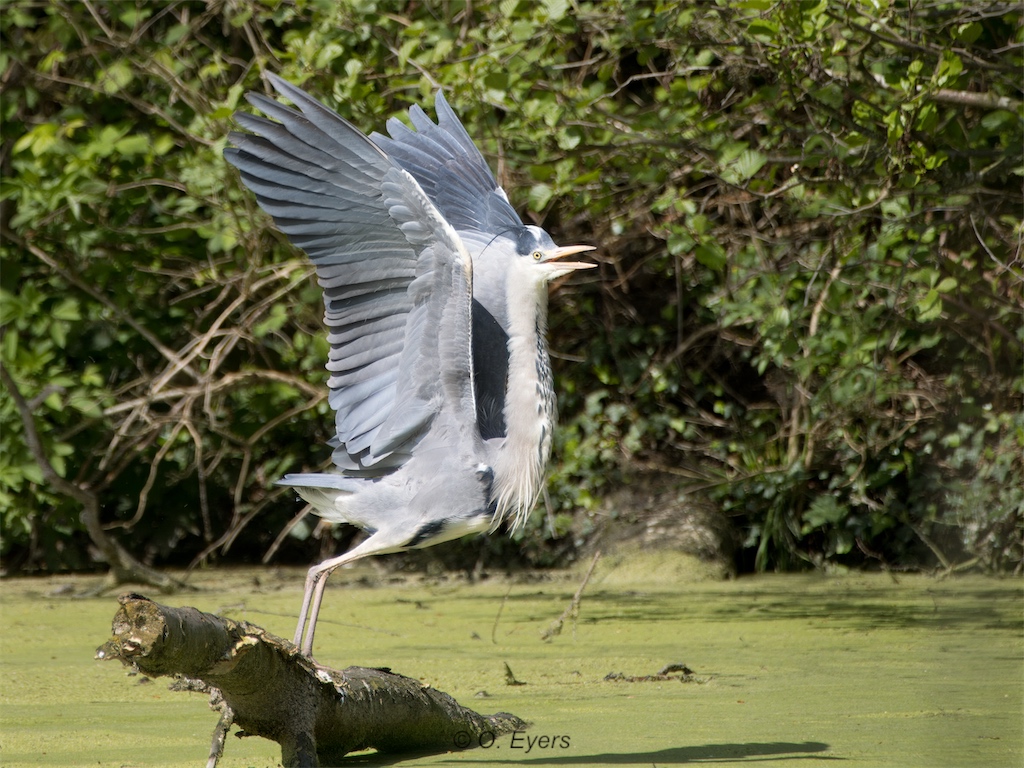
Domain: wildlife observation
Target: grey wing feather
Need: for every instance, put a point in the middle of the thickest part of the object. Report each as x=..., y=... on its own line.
x=436, y=368
x=447, y=165
x=452, y=172
x=324, y=184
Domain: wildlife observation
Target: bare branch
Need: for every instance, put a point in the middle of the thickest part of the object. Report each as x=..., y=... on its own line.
x=573, y=611
x=973, y=99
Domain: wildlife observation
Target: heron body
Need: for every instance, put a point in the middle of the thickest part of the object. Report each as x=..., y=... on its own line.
x=435, y=304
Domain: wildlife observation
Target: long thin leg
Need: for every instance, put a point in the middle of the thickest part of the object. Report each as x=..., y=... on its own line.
x=318, y=596
x=311, y=580
x=316, y=581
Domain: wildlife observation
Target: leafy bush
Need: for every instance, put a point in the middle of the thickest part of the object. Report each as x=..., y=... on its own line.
x=809, y=303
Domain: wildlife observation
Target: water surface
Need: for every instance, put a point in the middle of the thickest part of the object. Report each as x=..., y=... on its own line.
x=808, y=670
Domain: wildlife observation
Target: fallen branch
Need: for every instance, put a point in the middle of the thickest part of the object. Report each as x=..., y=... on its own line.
x=269, y=689
x=665, y=674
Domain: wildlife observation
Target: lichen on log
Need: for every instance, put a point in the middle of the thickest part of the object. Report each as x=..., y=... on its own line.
x=316, y=714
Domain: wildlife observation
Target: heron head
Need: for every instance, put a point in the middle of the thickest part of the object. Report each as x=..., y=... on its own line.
x=536, y=247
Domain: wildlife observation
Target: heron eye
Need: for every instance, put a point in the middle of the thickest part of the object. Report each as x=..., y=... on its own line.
x=537, y=255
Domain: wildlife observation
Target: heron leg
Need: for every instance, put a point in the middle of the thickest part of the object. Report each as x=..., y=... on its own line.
x=318, y=596
x=316, y=581
x=311, y=580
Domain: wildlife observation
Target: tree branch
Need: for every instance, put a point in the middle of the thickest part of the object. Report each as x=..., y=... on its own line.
x=975, y=99
x=573, y=611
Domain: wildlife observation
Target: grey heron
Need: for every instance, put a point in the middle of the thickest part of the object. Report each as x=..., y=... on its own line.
x=436, y=309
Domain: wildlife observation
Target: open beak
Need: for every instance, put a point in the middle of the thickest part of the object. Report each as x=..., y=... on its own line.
x=569, y=250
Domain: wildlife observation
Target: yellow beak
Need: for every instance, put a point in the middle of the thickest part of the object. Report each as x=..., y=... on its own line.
x=569, y=250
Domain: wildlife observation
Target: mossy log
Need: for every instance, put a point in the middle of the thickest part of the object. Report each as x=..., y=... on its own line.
x=316, y=714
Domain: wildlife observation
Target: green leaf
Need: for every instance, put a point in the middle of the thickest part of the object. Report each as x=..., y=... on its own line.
x=85, y=405
x=540, y=195
x=950, y=66
x=116, y=77
x=824, y=510
x=33, y=473
x=133, y=145
x=711, y=256
x=556, y=9
x=130, y=17
x=175, y=34
x=38, y=140
x=763, y=30
x=66, y=309
x=105, y=142
x=993, y=121
x=930, y=307
x=748, y=164
x=51, y=60
x=163, y=144
x=970, y=32
x=275, y=321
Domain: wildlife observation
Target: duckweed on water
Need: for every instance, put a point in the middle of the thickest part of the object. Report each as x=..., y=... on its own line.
x=868, y=669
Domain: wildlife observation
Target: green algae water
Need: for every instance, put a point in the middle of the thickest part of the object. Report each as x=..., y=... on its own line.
x=862, y=670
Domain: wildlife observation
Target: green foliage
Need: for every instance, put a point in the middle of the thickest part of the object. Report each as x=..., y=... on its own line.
x=809, y=222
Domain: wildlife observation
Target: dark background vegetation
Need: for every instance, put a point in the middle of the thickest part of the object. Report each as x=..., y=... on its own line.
x=808, y=310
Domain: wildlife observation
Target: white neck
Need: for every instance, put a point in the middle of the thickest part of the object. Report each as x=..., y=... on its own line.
x=529, y=402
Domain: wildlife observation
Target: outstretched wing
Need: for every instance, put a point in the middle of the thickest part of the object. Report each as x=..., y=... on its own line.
x=444, y=160
x=447, y=165
x=388, y=265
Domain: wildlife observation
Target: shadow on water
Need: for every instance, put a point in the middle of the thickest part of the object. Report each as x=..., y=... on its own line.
x=705, y=753
x=855, y=608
